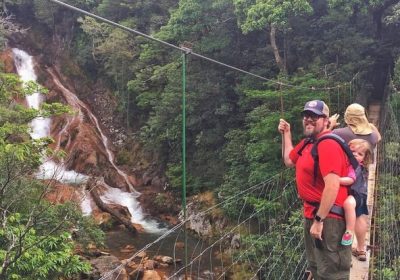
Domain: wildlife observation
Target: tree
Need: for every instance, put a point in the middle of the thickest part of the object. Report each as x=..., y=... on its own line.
x=273, y=15
x=7, y=27
x=35, y=238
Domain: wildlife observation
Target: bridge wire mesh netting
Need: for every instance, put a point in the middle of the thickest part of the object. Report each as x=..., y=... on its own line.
x=261, y=235
x=262, y=240
x=386, y=250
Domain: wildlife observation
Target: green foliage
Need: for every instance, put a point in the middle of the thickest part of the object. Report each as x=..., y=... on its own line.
x=258, y=15
x=161, y=201
x=232, y=140
x=39, y=256
x=231, y=118
x=392, y=151
x=388, y=259
x=174, y=175
x=35, y=239
x=280, y=244
x=396, y=75
x=49, y=13
x=254, y=152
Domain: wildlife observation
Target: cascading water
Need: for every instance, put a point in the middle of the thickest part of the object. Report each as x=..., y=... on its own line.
x=40, y=127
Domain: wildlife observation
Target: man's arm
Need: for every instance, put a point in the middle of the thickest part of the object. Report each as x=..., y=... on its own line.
x=287, y=145
x=329, y=194
x=328, y=198
x=330, y=170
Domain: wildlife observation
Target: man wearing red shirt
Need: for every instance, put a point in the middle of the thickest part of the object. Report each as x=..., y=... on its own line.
x=323, y=230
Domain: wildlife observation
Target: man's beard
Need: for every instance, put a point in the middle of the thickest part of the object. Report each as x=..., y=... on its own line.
x=310, y=133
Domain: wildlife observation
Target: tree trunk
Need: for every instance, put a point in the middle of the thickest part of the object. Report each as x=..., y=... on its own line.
x=104, y=207
x=278, y=58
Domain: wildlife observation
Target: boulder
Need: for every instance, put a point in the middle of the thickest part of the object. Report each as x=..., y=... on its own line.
x=137, y=273
x=151, y=275
x=141, y=255
x=150, y=265
x=61, y=193
x=105, y=264
x=164, y=259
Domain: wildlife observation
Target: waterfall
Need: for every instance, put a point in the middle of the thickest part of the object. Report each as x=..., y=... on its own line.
x=40, y=127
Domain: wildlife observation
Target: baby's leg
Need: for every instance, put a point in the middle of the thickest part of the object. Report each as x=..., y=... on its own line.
x=349, y=207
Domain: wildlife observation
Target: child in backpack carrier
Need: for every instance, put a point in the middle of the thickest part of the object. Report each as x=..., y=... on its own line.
x=356, y=204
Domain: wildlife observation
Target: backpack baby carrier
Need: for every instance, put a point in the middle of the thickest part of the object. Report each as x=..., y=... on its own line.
x=359, y=188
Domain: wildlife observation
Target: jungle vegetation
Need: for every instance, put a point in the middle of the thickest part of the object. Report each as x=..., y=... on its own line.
x=349, y=46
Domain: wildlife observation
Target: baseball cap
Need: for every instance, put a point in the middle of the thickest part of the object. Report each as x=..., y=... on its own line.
x=317, y=107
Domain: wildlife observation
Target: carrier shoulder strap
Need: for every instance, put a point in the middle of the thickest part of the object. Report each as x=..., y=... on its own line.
x=341, y=142
x=308, y=140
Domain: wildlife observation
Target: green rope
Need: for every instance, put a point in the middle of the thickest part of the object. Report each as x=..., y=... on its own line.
x=184, y=151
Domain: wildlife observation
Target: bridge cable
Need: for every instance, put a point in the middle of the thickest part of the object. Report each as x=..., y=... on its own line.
x=189, y=51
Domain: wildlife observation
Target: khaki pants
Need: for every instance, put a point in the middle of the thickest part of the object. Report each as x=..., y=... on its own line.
x=332, y=260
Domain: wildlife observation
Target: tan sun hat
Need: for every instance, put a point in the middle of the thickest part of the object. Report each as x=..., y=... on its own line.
x=356, y=119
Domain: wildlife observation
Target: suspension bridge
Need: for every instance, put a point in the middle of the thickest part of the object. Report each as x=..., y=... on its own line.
x=265, y=240
x=261, y=238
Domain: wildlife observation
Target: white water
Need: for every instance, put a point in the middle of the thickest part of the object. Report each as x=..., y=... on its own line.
x=74, y=101
x=116, y=196
x=40, y=127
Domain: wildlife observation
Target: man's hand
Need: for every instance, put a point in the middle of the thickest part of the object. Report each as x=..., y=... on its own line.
x=283, y=126
x=316, y=230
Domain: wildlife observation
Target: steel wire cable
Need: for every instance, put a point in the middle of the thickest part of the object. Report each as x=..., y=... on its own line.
x=189, y=51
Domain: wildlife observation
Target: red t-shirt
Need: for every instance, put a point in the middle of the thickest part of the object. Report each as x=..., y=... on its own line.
x=332, y=159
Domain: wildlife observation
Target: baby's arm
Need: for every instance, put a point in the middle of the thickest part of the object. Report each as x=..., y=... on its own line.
x=346, y=181
x=349, y=179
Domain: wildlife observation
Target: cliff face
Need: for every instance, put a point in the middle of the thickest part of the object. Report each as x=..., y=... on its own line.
x=92, y=136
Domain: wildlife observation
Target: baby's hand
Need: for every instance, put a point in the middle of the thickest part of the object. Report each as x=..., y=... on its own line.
x=333, y=121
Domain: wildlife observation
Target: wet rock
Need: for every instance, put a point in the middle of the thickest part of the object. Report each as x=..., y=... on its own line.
x=137, y=273
x=61, y=193
x=6, y=58
x=105, y=264
x=150, y=264
x=101, y=218
x=204, y=223
x=131, y=264
x=122, y=210
x=151, y=275
x=208, y=274
x=139, y=227
x=141, y=255
x=128, y=249
x=235, y=241
x=164, y=259
x=198, y=222
x=112, y=178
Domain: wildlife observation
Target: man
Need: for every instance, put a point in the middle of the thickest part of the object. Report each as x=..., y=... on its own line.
x=323, y=229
